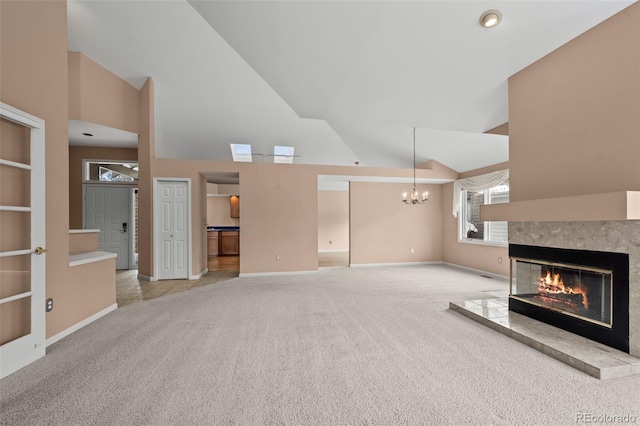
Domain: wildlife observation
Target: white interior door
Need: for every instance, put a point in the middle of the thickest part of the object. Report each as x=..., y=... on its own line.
x=22, y=239
x=172, y=242
x=108, y=208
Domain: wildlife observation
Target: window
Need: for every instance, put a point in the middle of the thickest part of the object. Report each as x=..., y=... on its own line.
x=241, y=152
x=110, y=171
x=474, y=230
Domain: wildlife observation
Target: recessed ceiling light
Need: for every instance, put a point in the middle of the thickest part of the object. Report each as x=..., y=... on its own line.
x=87, y=134
x=490, y=18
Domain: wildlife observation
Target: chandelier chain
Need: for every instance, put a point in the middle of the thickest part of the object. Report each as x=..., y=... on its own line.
x=414, y=158
x=415, y=198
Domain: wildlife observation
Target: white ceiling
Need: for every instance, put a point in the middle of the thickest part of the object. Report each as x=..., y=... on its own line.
x=341, y=183
x=102, y=135
x=341, y=81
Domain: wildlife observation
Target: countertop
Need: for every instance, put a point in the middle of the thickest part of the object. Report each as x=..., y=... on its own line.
x=223, y=228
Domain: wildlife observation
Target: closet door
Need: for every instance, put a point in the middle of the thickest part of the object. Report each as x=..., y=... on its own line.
x=172, y=225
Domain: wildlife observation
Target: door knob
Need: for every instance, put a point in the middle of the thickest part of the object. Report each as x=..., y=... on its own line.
x=40, y=250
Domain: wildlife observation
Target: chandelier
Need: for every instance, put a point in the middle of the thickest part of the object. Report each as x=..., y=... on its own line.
x=415, y=198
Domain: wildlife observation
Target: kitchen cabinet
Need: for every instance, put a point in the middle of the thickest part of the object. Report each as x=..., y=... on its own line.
x=234, y=202
x=229, y=243
x=212, y=243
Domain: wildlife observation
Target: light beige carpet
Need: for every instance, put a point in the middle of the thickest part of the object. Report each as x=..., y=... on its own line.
x=345, y=346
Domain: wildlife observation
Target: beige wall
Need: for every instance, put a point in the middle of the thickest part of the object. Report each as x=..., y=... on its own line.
x=502, y=129
x=279, y=209
x=573, y=115
x=278, y=217
x=76, y=155
x=146, y=151
x=219, y=211
x=333, y=220
x=83, y=243
x=384, y=230
x=99, y=96
x=92, y=288
x=35, y=80
x=485, y=170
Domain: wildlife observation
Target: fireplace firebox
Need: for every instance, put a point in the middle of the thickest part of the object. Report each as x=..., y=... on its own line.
x=584, y=292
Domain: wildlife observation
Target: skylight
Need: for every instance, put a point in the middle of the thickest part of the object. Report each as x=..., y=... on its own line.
x=241, y=152
x=283, y=154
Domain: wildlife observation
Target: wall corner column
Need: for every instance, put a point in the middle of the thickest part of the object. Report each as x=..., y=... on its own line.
x=146, y=153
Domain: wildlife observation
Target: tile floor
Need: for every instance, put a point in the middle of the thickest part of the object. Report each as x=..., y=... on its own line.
x=129, y=289
x=591, y=357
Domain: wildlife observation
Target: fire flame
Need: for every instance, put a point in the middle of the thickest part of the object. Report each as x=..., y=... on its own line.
x=553, y=284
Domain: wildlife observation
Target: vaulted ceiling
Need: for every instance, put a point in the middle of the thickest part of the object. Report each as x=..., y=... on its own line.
x=341, y=81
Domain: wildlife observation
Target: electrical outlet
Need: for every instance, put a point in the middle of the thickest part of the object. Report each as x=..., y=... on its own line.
x=49, y=305
x=412, y=251
x=278, y=257
x=499, y=260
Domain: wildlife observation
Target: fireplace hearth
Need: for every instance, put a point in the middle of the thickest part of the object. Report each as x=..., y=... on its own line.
x=581, y=291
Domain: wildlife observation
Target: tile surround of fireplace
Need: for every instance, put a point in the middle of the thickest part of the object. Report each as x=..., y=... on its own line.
x=597, y=236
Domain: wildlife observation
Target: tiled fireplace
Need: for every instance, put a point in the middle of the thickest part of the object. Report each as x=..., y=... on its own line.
x=583, y=277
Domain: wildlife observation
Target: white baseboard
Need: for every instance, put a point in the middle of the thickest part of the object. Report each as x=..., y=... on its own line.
x=334, y=251
x=271, y=274
x=200, y=275
x=78, y=326
x=364, y=265
x=146, y=278
x=477, y=271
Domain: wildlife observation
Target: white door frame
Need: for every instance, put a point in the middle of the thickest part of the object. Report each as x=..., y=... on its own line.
x=26, y=349
x=133, y=225
x=132, y=187
x=156, y=225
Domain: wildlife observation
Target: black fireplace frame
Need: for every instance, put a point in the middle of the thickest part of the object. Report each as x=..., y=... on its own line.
x=618, y=335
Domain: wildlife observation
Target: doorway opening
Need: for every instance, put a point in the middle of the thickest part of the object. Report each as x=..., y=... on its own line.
x=223, y=222
x=333, y=222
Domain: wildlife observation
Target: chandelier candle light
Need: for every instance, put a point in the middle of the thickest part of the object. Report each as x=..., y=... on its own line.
x=414, y=194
